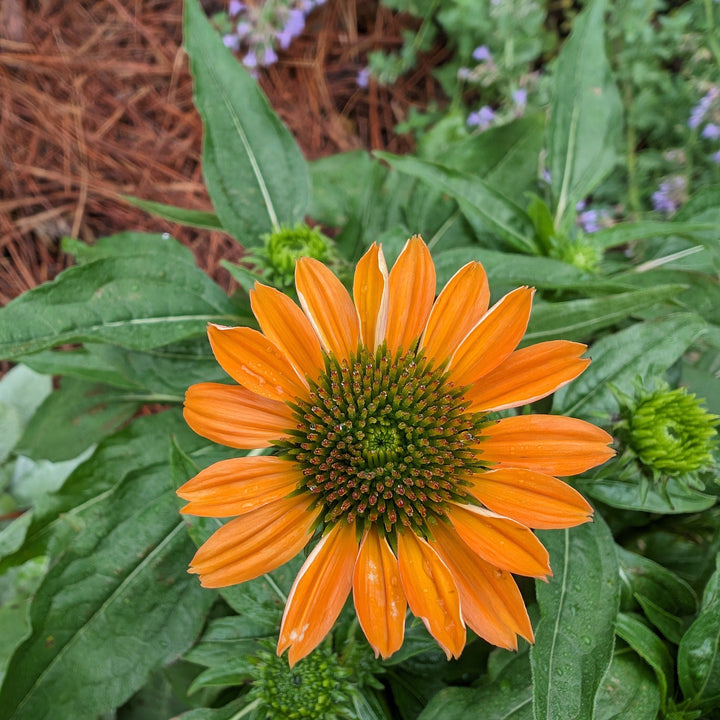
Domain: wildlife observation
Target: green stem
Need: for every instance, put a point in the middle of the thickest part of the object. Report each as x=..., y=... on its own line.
x=630, y=148
x=711, y=33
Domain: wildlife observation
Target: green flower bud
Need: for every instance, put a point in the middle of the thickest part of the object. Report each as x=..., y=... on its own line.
x=316, y=687
x=670, y=432
x=581, y=253
x=285, y=246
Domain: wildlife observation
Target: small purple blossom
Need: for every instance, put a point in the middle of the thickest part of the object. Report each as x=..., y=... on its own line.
x=715, y=157
x=294, y=26
x=483, y=118
x=711, y=131
x=235, y=7
x=670, y=194
x=589, y=221
x=463, y=73
x=581, y=205
x=482, y=53
x=269, y=56
x=520, y=97
x=243, y=29
x=698, y=113
x=546, y=176
x=250, y=60
x=232, y=42
x=363, y=77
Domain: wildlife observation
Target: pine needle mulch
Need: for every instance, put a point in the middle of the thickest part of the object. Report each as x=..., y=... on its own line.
x=96, y=101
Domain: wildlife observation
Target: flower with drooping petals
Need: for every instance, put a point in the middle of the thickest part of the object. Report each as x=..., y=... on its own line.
x=386, y=448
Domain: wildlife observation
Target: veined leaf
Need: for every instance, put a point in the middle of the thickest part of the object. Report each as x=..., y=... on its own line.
x=650, y=648
x=627, y=692
x=507, y=220
x=574, y=638
x=631, y=232
x=136, y=300
x=578, y=319
x=183, y=216
x=620, y=358
x=97, y=635
x=586, y=115
x=256, y=175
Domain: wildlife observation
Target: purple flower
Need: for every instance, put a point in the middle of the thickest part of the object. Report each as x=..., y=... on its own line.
x=581, y=205
x=235, y=7
x=269, y=57
x=243, y=29
x=715, y=157
x=546, y=176
x=669, y=195
x=482, y=118
x=711, y=131
x=482, y=53
x=250, y=60
x=232, y=42
x=293, y=27
x=698, y=113
x=520, y=97
x=463, y=73
x=363, y=77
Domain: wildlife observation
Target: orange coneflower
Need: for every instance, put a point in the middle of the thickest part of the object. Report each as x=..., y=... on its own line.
x=380, y=413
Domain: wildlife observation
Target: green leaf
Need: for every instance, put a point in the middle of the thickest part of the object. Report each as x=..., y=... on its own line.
x=629, y=493
x=16, y=589
x=193, y=218
x=24, y=390
x=501, y=216
x=586, y=114
x=232, y=711
x=637, y=351
x=623, y=233
x=671, y=626
x=139, y=300
x=627, y=692
x=505, y=157
x=234, y=671
x=574, y=638
x=144, y=443
x=507, y=698
x=579, y=319
x=650, y=648
x=699, y=657
x=227, y=638
x=74, y=417
x=10, y=430
x=511, y=269
x=97, y=635
x=255, y=173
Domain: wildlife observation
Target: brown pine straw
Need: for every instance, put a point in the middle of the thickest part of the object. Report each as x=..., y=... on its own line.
x=96, y=100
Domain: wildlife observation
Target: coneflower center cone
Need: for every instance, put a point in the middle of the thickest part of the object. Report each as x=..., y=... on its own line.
x=384, y=438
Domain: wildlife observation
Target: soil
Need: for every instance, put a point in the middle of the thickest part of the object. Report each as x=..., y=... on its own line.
x=96, y=102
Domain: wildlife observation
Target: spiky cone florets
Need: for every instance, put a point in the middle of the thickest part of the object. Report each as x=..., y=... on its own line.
x=669, y=432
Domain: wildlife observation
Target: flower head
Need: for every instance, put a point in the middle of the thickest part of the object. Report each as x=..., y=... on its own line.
x=483, y=118
x=381, y=417
x=668, y=431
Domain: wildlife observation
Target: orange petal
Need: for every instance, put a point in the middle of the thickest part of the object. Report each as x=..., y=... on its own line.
x=370, y=291
x=500, y=541
x=489, y=597
x=234, y=416
x=283, y=322
x=252, y=360
x=380, y=602
x=534, y=499
x=412, y=291
x=549, y=444
x=255, y=543
x=318, y=593
x=493, y=338
x=431, y=592
x=459, y=307
x=328, y=306
x=239, y=485
x=528, y=375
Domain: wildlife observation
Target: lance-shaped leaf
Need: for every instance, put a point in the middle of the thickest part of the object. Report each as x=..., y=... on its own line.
x=256, y=175
x=151, y=294
x=116, y=605
x=586, y=115
x=575, y=636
